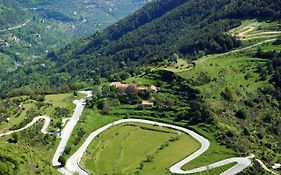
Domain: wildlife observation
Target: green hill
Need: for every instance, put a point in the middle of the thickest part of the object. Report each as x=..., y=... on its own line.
x=83, y=18
x=216, y=64
x=30, y=29
x=153, y=34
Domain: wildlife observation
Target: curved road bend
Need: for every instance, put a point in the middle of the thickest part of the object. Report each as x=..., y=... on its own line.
x=67, y=130
x=73, y=162
x=44, y=129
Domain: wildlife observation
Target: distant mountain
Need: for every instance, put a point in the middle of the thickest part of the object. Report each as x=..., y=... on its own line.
x=31, y=28
x=190, y=28
x=24, y=36
x=83, y=17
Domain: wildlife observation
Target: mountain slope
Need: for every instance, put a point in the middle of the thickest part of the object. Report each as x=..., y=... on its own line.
x=192, y=28
x=187, y=27
x=83, y=17
x=24, y=36
x=30, y=29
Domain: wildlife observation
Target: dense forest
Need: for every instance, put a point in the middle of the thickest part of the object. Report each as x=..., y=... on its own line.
x=187, y=27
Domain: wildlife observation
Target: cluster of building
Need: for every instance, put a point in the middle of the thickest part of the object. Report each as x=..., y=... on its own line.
x=133, y=88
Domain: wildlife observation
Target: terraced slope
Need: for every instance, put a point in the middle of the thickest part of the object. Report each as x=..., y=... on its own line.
x=253, y=29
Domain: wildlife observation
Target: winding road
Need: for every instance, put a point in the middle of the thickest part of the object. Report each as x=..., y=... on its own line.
x=44, y=129
x=16, y=27
x=73, y=163
x=67, y=130
x=242, y=162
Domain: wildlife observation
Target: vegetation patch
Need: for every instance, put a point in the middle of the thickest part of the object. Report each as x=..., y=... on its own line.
x=129, y=149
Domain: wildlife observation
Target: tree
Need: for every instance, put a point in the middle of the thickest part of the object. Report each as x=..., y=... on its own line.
x=242, y=113
x=15, y=137
x=131, y=90
x=106, y=109
x=62, y=160
x=3, y=169
x=229, y=94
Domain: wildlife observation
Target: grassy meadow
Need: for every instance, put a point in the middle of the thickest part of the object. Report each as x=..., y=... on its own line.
x=137, y=148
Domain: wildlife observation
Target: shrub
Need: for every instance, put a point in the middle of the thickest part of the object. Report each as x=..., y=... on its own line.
x=15, y=137
x=229, y=94
x=3, y=169
x=62, y=160
x=242, y=113
x=67, y=150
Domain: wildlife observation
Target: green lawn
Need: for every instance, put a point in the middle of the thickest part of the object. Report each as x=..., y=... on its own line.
x=90, y=121
x=62, y=100
x=140, y=80
x=123, y=149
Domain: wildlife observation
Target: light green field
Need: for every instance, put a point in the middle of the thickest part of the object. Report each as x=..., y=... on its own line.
x=63, y=100
x=15, y=120
x=90, y=121
x=253, y=29
x=180, y=66
x=124, y=149
x=227, y=71
x=140, y=81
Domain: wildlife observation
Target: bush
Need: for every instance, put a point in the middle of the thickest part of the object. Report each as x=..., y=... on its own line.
x=3, y=169
x=229, y=94
x=62, y=160
x=15, y=137
x=242, y=113
x=67, y=150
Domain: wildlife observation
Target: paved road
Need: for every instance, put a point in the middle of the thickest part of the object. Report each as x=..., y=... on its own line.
x=67, y=130
x=16, y=27
x=44, y=129
x=235, y=51
x=73, y=162
x=265, y=167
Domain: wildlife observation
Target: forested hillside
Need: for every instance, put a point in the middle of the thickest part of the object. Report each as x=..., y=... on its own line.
x=25, y=36
x=187, y=27
x=82, y=17
x=30, y=29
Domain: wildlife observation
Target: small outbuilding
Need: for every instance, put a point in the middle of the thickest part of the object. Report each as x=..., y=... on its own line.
x=147, y=103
